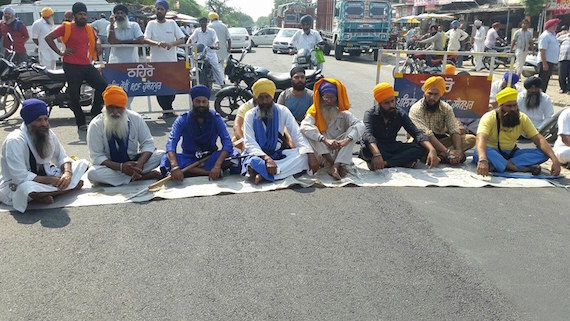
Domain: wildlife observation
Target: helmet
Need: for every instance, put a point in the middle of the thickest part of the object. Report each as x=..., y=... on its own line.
x=306, y=19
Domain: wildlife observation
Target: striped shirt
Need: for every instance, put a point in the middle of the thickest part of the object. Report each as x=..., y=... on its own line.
x=565, y=48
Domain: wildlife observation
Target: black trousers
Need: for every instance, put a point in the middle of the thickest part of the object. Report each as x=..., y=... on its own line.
x=76, y=75
x=165, y=102
x=395, y=153
x=545, y=74
x=564, y=75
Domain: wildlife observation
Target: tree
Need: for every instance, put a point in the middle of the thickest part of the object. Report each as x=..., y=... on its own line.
x=220, y=7
x=533, y=7
x=263, y=21
x=190, y=7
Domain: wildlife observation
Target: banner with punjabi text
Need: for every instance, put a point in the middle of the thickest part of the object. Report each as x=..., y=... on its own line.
x=468, y=95
x=149, y=79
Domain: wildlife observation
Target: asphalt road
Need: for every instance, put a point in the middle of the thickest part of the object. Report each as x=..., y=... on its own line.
x=297, y=254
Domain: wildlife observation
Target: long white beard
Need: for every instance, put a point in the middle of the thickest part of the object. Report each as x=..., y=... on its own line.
x=50, y=21
x=118, y=127
x=329, y=113
x=42, y=142
x=124, y=24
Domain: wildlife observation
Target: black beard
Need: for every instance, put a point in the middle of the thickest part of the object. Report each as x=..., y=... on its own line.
x=299, y=86
x=431, y=107
x=41, y=140
x=200, y=111
x=265, y=111
x=532, y=100
x=160, y=16
x=80, y=23
x=511, y=119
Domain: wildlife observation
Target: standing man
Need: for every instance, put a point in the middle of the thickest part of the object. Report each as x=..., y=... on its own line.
x=33, y=163
x=40, y=30
x=224, y=38
x=297, y=98
x=163, y=35
x=478, y=35
x=456, y=36
x=18, y=31
x=522, y=40
x=549, y=50
x=68, y=16
x=492, y=36
x=101, y=25
x=208, y=37
x=307, y=38
x=81, y=48
x=123, y=31
x=564, y=64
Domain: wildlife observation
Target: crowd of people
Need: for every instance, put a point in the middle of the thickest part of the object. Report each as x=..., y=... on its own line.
x=303, y=132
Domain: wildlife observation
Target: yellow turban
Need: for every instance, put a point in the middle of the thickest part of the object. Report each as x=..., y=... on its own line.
x=436, y=82
x=47, y=12
x=449, y=69
x=263, y=85
x=506, y=95
x=115, y=96
x=213, y=16
x=315, y=109
x=383, y=91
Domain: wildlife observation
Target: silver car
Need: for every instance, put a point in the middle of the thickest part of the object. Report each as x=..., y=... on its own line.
x=282, y=42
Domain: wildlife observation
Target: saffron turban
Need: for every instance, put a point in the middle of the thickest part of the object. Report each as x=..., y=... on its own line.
x=78, y=7
x=514, y=78
x=200, y=91
x=213, y=16
x=450, y=69
x=262, y=86
x=506, y=95
x=327, y=88
x=33, y=109
x=9, y=10
x=551, y=23
x=342, y=102
x=436, y=82
x=162, y=3
x=115, y=96
x=533, y=81
x=47, y=12
x=383, y=91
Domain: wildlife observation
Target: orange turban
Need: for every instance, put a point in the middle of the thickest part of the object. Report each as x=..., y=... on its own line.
x=47, y=12
x=449, y=69
x=506, y=95
x=315, y=109
x=115, y=96
x=383, y=91
x=436, y=82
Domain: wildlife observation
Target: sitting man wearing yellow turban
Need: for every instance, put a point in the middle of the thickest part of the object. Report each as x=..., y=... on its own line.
x=383, y=121
x=497, y=134
x=120, y=144
x=265, y=144
x=331, y=129
x=436, y=119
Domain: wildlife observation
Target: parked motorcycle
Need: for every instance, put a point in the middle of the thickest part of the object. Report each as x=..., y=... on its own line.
x=502, y=47
x=30, y=80
x=201, y=65
x=230, y=98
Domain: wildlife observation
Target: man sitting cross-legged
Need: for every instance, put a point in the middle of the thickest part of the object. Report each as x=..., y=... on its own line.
x=331, y=129
x=496, y=140
x=120, y=143
x=33, y=163
x=269, y=159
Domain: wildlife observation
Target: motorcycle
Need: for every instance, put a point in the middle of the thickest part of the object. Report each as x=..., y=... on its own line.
x=416, y=63
x=31, y=80
x=201, y=65
x=304, y=57
x=230, y=98
x=549, y=130
x=502, y=48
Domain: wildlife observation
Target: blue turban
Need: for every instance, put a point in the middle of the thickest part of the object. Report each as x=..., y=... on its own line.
x=162, y=3
x=328, y=88
x=33, y=109
x=9, y=10
x=455, y=23
x=514, y=78
x=199, y=91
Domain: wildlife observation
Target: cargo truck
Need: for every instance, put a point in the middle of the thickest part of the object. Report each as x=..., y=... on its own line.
x=354, y=26
x=288, y=15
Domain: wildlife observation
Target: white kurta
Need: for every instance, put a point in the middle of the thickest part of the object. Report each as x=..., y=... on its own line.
x=16, y=176
x=140, y=141
x=479, y=45
x=539, y=115
x=296, y=160
x=561, y=150
x=343, y=126
x=209, y=39
x=47, y=57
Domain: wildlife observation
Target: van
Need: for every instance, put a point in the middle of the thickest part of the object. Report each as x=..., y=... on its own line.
x=28, y=12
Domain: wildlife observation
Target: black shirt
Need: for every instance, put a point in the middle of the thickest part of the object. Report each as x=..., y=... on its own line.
x=379, y=131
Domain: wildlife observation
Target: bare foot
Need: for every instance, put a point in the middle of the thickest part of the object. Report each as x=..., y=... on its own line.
x=258, y=179
x=343, y=171
x=334, y=172
x=44, y=199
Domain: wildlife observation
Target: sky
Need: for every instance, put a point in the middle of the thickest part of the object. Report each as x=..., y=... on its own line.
x=253, y=8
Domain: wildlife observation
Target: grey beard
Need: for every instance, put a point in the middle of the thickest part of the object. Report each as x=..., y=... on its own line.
x=122, y=24
x=265, y=112
x=9, y=21
x=532, y=100
x=50, y=21
x=117, y=127
x=329, y=113
x=42, y=142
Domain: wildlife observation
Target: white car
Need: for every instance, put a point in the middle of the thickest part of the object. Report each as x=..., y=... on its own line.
x=282, y=42
x=240, y=39
x=264, y=36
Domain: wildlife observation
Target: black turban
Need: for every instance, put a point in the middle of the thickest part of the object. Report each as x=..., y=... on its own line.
x=79, y=7
x=296, y=70
x=121, y=7
x=533, y=81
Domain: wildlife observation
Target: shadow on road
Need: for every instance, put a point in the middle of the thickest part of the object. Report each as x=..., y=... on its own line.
x=54, y=218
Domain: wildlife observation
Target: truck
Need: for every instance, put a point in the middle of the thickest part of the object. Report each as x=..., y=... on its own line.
x=289, y=14
x=354, y=26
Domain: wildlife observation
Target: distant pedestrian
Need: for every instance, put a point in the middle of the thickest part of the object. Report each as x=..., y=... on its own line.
x=456, y=36
x=564, y=64
x=478, y=35
x=522, y=40
x=549, y=50
x=10, y=24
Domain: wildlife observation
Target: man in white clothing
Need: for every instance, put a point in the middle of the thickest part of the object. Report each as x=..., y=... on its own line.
x=269, y=159
x=492, y=36
x=224, y=38
x=522, y=40
x=207, y=36
x=331, y=129
x=501, y=84
x=120, y=144
x=33, y=163
x=478, y=35
x=40, y=29
x=562, y=145
x=534, y=103
x=307, y=38
x=101, y=26
x=456, y=36
x=163, y=36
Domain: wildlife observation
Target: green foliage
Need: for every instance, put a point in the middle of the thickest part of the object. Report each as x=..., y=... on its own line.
x=534, y=7
x=238, y=19
x=190, y=7
x=277, y=3
x=263, y=21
